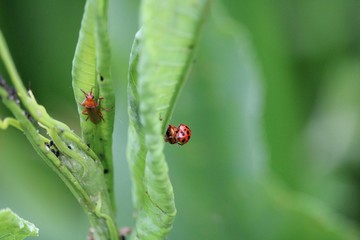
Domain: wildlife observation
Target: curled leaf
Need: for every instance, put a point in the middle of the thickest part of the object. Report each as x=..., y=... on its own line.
x=160, y=60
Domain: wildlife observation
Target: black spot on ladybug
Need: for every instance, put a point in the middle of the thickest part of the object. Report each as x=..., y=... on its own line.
x=187, y=132
x=106, y=171
x=182, y=134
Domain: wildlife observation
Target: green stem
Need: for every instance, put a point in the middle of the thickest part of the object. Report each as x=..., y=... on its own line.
x=100, y=218
x=4, y=124
x=10, y=66
x=37, y=111
x=75, y=163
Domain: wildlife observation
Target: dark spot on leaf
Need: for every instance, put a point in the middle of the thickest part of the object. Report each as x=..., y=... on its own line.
x=88, y=144
x=100, y=139
x=106, y=171
x=101, y=78
x=191, y=46
x=69, y=147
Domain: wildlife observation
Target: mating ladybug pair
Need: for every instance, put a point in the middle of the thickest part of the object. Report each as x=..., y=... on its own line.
x=179, y=135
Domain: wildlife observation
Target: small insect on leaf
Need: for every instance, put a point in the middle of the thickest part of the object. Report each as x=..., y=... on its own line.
x=92, y=107
x=179, y=135
x=170, y=135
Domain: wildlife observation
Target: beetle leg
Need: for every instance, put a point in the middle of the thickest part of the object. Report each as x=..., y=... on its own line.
x=105, y=109
x=85, y=112
x=99, y=100
x=100, y=115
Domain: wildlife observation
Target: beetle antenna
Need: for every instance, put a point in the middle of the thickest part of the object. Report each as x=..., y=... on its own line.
x=83, y=92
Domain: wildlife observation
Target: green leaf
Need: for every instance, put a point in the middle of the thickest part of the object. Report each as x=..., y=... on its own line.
x=71, y=159
x=13, y=227
x=91, y=70
x=160, y=60
x=75, y=163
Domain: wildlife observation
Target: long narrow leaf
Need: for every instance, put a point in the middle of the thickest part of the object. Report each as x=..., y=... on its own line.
x=159, y=64
x=71, y=159
x=91, y=71
x=75, y=163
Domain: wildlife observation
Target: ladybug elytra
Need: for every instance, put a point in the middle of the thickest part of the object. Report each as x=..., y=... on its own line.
x=183, y=135
x=179, y=135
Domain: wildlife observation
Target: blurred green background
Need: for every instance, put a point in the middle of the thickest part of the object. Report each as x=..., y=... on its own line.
x=272, y=100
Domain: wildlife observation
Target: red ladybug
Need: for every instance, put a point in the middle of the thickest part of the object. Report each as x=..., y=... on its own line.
x=170, y=135
x=179, y=135
x=183, y=135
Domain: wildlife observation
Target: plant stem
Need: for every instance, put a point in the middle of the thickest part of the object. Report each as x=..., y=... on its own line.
x=75, y=163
